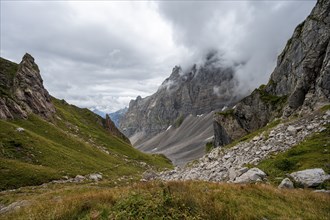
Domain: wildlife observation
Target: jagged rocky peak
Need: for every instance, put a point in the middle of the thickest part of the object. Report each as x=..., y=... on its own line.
x=299, y=84
x=22, y=90
x=196, y=90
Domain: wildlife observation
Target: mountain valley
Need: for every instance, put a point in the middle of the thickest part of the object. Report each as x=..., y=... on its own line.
x=197, y=148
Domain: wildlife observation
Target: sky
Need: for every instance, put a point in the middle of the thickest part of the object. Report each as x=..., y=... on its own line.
x=102, y=54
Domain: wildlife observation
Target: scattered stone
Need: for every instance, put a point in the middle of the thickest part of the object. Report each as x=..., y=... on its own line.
x=310, y=177
x=286, y=184
x=79, y=178
x=95, y=177
x=227, y=156
x=14, y=206
x=256, y=138
x=322, y=191
x=149, y=175
x=20, y=129
x=292, y=130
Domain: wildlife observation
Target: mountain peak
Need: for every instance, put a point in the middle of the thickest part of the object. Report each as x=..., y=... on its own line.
x=22, y=90
x=27, y=57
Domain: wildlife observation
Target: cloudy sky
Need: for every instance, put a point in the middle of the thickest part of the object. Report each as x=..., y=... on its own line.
x=102, y=54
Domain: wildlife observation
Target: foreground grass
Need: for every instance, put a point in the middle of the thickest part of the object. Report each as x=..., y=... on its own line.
x=314, y=152
x=67, y=146
x=173, y=200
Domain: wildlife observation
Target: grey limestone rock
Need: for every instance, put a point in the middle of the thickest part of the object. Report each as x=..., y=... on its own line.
x=95, y=176
x=252, y=175
x=22, y=90
x=286, y=184
x=310, y=177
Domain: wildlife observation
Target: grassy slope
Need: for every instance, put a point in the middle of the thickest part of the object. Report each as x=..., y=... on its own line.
x=67, y=146
x=173, y=200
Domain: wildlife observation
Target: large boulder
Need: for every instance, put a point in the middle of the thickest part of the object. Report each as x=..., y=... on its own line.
x=251, y=176
x=310, y=177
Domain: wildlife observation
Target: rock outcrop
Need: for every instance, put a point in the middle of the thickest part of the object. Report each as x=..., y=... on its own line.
x=22, y=90
x=197, y=91
x=111, y=127
x=299, y=84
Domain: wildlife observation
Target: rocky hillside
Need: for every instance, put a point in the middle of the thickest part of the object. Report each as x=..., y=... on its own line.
x=44, y=139
x=282, y=129
x=299, y=84
x=197, y=91
x=22, y=90
x=231, y=162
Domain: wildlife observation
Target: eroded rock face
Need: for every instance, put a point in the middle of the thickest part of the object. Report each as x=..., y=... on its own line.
x=299, y=84
x=197, y=91
x=22, y=90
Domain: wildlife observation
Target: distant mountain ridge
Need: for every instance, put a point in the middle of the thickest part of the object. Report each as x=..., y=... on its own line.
x=200, y=90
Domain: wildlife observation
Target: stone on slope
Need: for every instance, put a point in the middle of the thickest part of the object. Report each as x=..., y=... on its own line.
x=95, y=177
x=286, y=184
x=149, y=175
x=310, y=177
x=252, y=175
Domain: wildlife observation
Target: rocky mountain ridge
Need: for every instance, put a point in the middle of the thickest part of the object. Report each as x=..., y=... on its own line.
x=197, y=91
x=299, y=84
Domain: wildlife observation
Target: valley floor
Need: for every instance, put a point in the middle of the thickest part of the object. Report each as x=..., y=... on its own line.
x=159, y=200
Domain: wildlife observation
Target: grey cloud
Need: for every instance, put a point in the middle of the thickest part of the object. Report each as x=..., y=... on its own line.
x=107, y=53
x=250, y=33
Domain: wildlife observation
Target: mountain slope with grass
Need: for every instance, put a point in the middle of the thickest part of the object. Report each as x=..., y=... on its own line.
x=40, y=146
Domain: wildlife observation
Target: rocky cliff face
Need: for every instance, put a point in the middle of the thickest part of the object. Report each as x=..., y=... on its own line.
x=299, y=84
x=197, y=91
x=22, y=90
